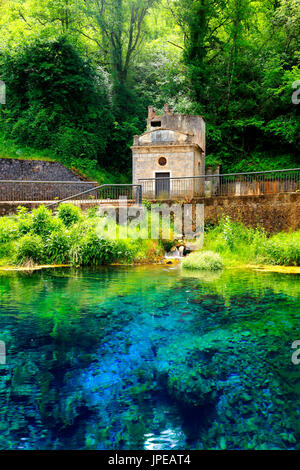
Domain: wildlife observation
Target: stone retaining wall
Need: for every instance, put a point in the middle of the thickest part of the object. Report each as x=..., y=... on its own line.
x=274, y=212
x=36, y=171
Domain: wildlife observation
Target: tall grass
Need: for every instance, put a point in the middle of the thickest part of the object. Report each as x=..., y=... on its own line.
x=203, y=260
x=73, y=237
x=239, y=244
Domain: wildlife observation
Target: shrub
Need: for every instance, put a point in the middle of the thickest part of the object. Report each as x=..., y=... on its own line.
x=204, y=260
x=234, y=233
x=235, y=241
x=56, y=225
x=57, y=100
x=282, y=249
x=92, y=250
x=24, y=220
x=69, y=214
x=148, y=251
x=29, y=249
x=8, y=230
x=41, y=221
x=57, y=247
x=92, y=212
x=6, y=249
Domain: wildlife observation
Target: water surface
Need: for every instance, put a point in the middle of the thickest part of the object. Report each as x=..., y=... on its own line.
x=149, y=358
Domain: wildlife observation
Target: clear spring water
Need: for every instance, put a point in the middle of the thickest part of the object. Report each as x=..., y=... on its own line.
x=149, y=358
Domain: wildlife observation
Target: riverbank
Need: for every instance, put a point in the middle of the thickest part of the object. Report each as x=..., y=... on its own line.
x=163, y=264
x=71, y=237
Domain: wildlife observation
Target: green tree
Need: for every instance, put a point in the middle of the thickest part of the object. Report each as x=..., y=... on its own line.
x=56, y=100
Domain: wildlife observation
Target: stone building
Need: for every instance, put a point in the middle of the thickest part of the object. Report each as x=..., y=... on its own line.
x=168, y=154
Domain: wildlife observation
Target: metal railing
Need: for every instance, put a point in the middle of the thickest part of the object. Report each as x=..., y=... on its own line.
x=59, y=191
x=29, y=191
x=106, y=193
x=230, y=184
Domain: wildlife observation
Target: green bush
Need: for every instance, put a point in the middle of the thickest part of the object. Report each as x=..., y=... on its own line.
x=282, y=249
x=24, y=220
x=238, y=243
x=41, y=221
x=92, y=250
x=235, y=241
x=6, y=250
x=69, y=214
x=204, y=260
x=71, y=236
x=30, y=248
x=57, y=100
x=57, y=247
x=8, y=230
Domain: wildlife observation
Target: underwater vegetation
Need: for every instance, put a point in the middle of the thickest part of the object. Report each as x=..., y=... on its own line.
x=149, y=357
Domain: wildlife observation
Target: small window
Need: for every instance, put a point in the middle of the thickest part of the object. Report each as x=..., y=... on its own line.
x=155, y=123
x=162, y=161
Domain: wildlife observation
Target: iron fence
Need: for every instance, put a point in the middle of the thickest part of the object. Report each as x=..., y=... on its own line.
x=30, y=191
x=230, y=184
x=59, y=191
x=106, y=193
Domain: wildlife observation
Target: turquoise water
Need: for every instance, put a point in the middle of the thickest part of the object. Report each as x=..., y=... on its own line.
x=149, y=358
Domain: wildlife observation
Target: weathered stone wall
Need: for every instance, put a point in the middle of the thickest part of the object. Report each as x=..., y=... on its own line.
x=274, y=212
x=146, y=164
x=182, y=122
x=36, y=170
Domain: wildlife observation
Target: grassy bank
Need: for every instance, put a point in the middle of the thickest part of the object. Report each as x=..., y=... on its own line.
x=83, y=166
x=69, y=236
x=238, y=244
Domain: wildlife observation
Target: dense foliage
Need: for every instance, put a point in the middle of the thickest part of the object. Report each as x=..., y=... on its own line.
x=70, y=236
x=80, y=76
x=203, y=260
x=238, y=244
x=55, y=100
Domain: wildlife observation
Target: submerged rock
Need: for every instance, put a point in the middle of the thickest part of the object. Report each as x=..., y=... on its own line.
x=226, y=374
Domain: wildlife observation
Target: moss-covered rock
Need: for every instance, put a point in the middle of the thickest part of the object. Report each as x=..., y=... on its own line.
x=228, y=373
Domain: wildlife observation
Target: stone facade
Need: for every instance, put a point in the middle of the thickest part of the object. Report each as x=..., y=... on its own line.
x=173, y=146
